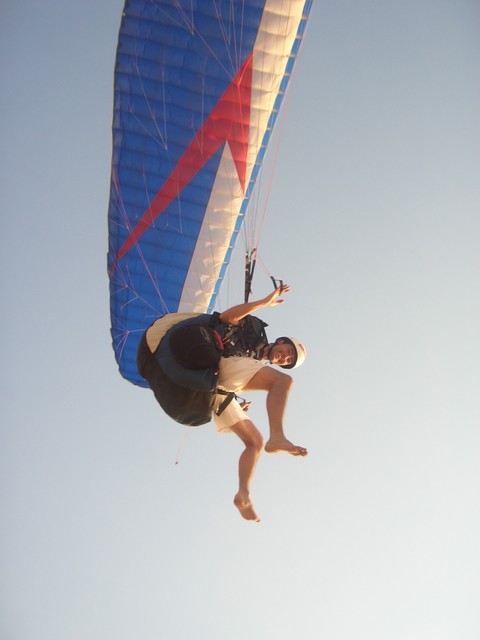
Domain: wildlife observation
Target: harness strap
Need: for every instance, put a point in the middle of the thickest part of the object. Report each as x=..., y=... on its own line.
x=230, y=395
x=250, y=262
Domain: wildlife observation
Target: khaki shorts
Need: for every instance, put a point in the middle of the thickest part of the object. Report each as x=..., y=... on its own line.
x=235, y=373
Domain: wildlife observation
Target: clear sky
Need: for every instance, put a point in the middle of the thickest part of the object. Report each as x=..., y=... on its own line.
x=373, y=219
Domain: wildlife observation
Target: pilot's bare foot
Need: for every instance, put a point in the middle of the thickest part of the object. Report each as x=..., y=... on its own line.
x=245, y=507
x=282, y=444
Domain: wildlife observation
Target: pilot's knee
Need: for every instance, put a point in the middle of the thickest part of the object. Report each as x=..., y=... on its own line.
x=255, y=440
x=249, y=434
x=258, y=442
x=285, y=380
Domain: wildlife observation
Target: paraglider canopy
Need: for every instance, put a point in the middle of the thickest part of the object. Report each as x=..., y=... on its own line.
x=197, y=92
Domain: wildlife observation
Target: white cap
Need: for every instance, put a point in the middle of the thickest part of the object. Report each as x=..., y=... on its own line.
x=299, y=349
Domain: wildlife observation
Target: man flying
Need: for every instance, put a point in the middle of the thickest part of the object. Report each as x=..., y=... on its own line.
x=245, y=352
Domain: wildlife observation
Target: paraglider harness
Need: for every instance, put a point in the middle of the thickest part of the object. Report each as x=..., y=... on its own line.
x=183, y=370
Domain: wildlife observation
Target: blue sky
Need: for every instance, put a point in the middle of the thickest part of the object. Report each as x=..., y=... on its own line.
x=373, y=218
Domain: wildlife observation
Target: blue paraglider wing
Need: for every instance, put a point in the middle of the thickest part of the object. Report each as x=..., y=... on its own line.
x=198, y=86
